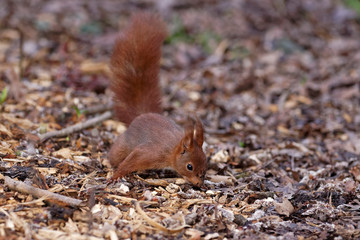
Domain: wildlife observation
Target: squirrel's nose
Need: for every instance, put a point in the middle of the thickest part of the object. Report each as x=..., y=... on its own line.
x=197, y=181
x=200, y=181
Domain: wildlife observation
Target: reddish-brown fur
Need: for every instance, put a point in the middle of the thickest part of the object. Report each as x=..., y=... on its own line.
x=151, y=141
x=135, y=66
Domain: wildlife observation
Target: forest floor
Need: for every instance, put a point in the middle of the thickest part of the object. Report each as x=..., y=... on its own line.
x=276, y=84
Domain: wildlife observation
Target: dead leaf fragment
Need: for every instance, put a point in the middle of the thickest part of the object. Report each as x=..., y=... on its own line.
x=284, y=208
x=63, y=153
x=283, y=130
x=221, y=179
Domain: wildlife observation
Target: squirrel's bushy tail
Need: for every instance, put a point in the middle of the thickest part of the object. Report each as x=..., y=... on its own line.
x=135, y=67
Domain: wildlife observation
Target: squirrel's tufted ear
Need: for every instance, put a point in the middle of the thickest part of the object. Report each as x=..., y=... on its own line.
x=199, y=134
x=188, y=139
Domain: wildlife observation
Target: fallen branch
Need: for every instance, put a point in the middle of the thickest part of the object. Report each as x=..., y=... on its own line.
x=156, y=224
x=76, y=127
x=40, y=193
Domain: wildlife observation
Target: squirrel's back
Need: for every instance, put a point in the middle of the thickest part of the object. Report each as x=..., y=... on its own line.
x=135, y=67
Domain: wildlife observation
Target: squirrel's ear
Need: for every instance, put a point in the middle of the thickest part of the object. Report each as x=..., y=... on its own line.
x=188, y=139
x=199, y=134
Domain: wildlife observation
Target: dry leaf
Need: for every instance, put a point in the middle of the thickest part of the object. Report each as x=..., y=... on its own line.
x=63, y=153
x=284, y=208
x=221, y=179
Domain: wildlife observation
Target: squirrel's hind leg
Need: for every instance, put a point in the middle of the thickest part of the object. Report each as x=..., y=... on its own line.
x=118, y=152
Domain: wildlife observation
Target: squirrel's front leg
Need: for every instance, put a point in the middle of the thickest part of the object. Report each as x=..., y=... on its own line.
x=141, y=158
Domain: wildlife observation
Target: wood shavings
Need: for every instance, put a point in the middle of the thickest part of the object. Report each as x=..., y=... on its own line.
x=47, y=171
x=172, y=188
x=155, y=224
x=12, y=160
x=4, y=130
x=38, y=201
x=60, y=235
x=81, y=158
x=24, y=123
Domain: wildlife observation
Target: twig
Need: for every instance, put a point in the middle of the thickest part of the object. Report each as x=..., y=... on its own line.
x=155, y=224
x=128, y=200
x=76, y=127
x=40, y=193
x=39, y=200
x=85, y=180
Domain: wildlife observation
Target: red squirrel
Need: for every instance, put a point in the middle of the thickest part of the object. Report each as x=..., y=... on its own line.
x=151, y=141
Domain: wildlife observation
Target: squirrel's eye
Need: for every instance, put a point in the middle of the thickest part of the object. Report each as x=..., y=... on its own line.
x=189, y=167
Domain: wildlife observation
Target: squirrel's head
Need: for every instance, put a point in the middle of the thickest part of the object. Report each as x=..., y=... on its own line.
x=191, y=161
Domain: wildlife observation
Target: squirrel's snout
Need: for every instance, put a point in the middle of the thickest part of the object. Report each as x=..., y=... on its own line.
x=197, y=181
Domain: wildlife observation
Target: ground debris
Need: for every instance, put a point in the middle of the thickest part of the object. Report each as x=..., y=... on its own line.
x=276, y=86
